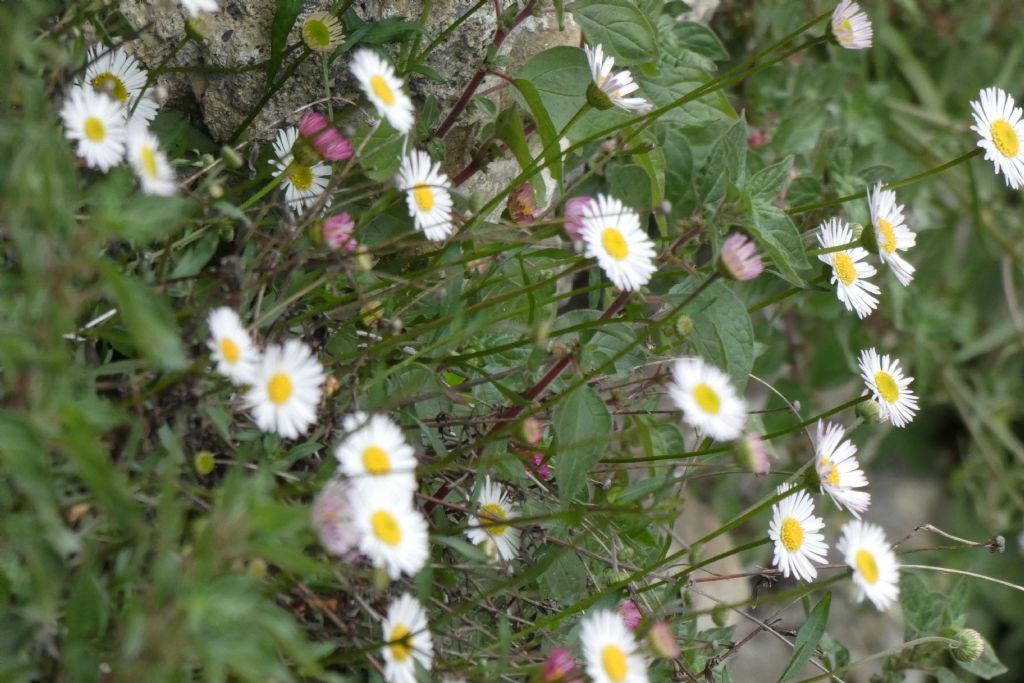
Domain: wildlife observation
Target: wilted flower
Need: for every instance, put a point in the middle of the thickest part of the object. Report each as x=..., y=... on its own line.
x=739, y=258
x=522, y=206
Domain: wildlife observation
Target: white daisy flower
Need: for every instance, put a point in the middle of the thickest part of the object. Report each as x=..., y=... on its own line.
x=876, y=573
x=393, y=534
x=149, y=163
x=886, y=382
x=286, y=388
x=614, y=86
x=97, y=123
x=118, y=74
x=484, y=527
x=849, y=272
x=708, y=399
x=304, y=184
x=838, y=469
x=891, y=232
x=612, y=234
x=375, y=449
x=795, y=531
x=407, y=640
x=194, y=7
x=999, y=122
x=427, y=193
x=851, y=26
x=231, y=346
x=610, y=650
x=382, y=87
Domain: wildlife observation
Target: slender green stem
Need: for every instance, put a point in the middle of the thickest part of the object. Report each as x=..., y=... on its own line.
x=274, y=182
x=832, y=250
x=961, y=572
x=824, y=204
x=327, y=87
x=891, y=652
x=785, y=295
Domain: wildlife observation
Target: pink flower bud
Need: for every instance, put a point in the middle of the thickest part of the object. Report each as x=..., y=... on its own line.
x=541, y=467
x=630, y=614
x=739, y=259
x=559, y=666
x=312, y=123
x=663, y=641
x=338, y=233
x=326, y=139
x=752, y=455
x=574, y=216
x=532, y=431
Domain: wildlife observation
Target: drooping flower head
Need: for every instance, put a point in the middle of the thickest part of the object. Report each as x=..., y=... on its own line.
x=998, y=121
x=876, y=573
x=891, y=233
x=117, y=74
x=286, y=388
x=382, y=87
x=612, y=234
x=739, y=258
x=96, y=122
x=610, y=89
x=838, y=470
x=231, y=347
x=707, y=398
x=849, y=271
x=851, y=26
x=486, y=528
x=150, y=163
x=796, y=533
x=322, y=32
x=376, y=450
x=885, y=380
x=407, y=640
x=427, y=194
x=305, y=182
x=610, y=650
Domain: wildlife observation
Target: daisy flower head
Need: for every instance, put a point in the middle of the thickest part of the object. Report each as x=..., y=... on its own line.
x=835, y=460
x=849, y=271
x=407, y=640
x=891, y=234
x=612, y=234
x=610, y=649
x=149, y=163
x=117, y=74
x=795, y=531
x=382, y=87
x=876, y=573
x=304, y=183
x=375, y=450
x=194, y=7
x=286, y=388
x=231, y=347
x=96, y=122
x=884, y=378
x=427, y=194
x=392, y=533
x=708, y=399
x=851, y=26
x=610, y=89
x=485, y=528
x=997, y=120
x=322, y=32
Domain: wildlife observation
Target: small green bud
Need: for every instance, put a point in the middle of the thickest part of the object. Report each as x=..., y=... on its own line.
x=203, y=462
x=476, y=201
x=232, y=159
x=257, y=568
x=720, y=615
x=216, y=190
x=970, y=646
x=869, y=411
x=207, y=160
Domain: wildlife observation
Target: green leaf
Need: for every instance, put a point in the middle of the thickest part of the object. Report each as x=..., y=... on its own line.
x=679, y=188
x=777, y=235
x=620, y=27
x=390, y=30
x=284, y=19
x=722, y=333
x=807, y=638
x=944, y=675
x=582, y=426
x=566, y=578
x=698, y=40
x=921, y=609
x=769, y=182
x=987, y=667
x=726, y=164
x=148, y=318
x=545, y=127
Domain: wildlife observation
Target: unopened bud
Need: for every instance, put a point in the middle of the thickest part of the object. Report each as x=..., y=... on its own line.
x=532, y=431
x=720, y=615
x=662, y=641
x=216, y=190
x=257, y=568
x=869, y=411
x=364, y=261
x=739, y=259
x=630, y=613
x=203, y=462
x=476, y=201
x=752, y=455
x=970, y=646
x=232, y=159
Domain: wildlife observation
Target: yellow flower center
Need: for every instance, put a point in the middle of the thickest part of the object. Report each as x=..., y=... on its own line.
x=376, y=460
x=423, y=196
x=149, y=161
x=95, y=130
x=382, y=90
x=707, y=399
x=1005, y=138
x=400, y=643
x=885, y=227
x=614, y=661
x=230, y=350
x=614, y=243
x=887, y=387
x=302, y=177
x=494, y=511
x=109, y=83
x=280, y=388
x=385, y=527
x=845, y=269
x=867, y=566
x=792, y=535
x=833, y=476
